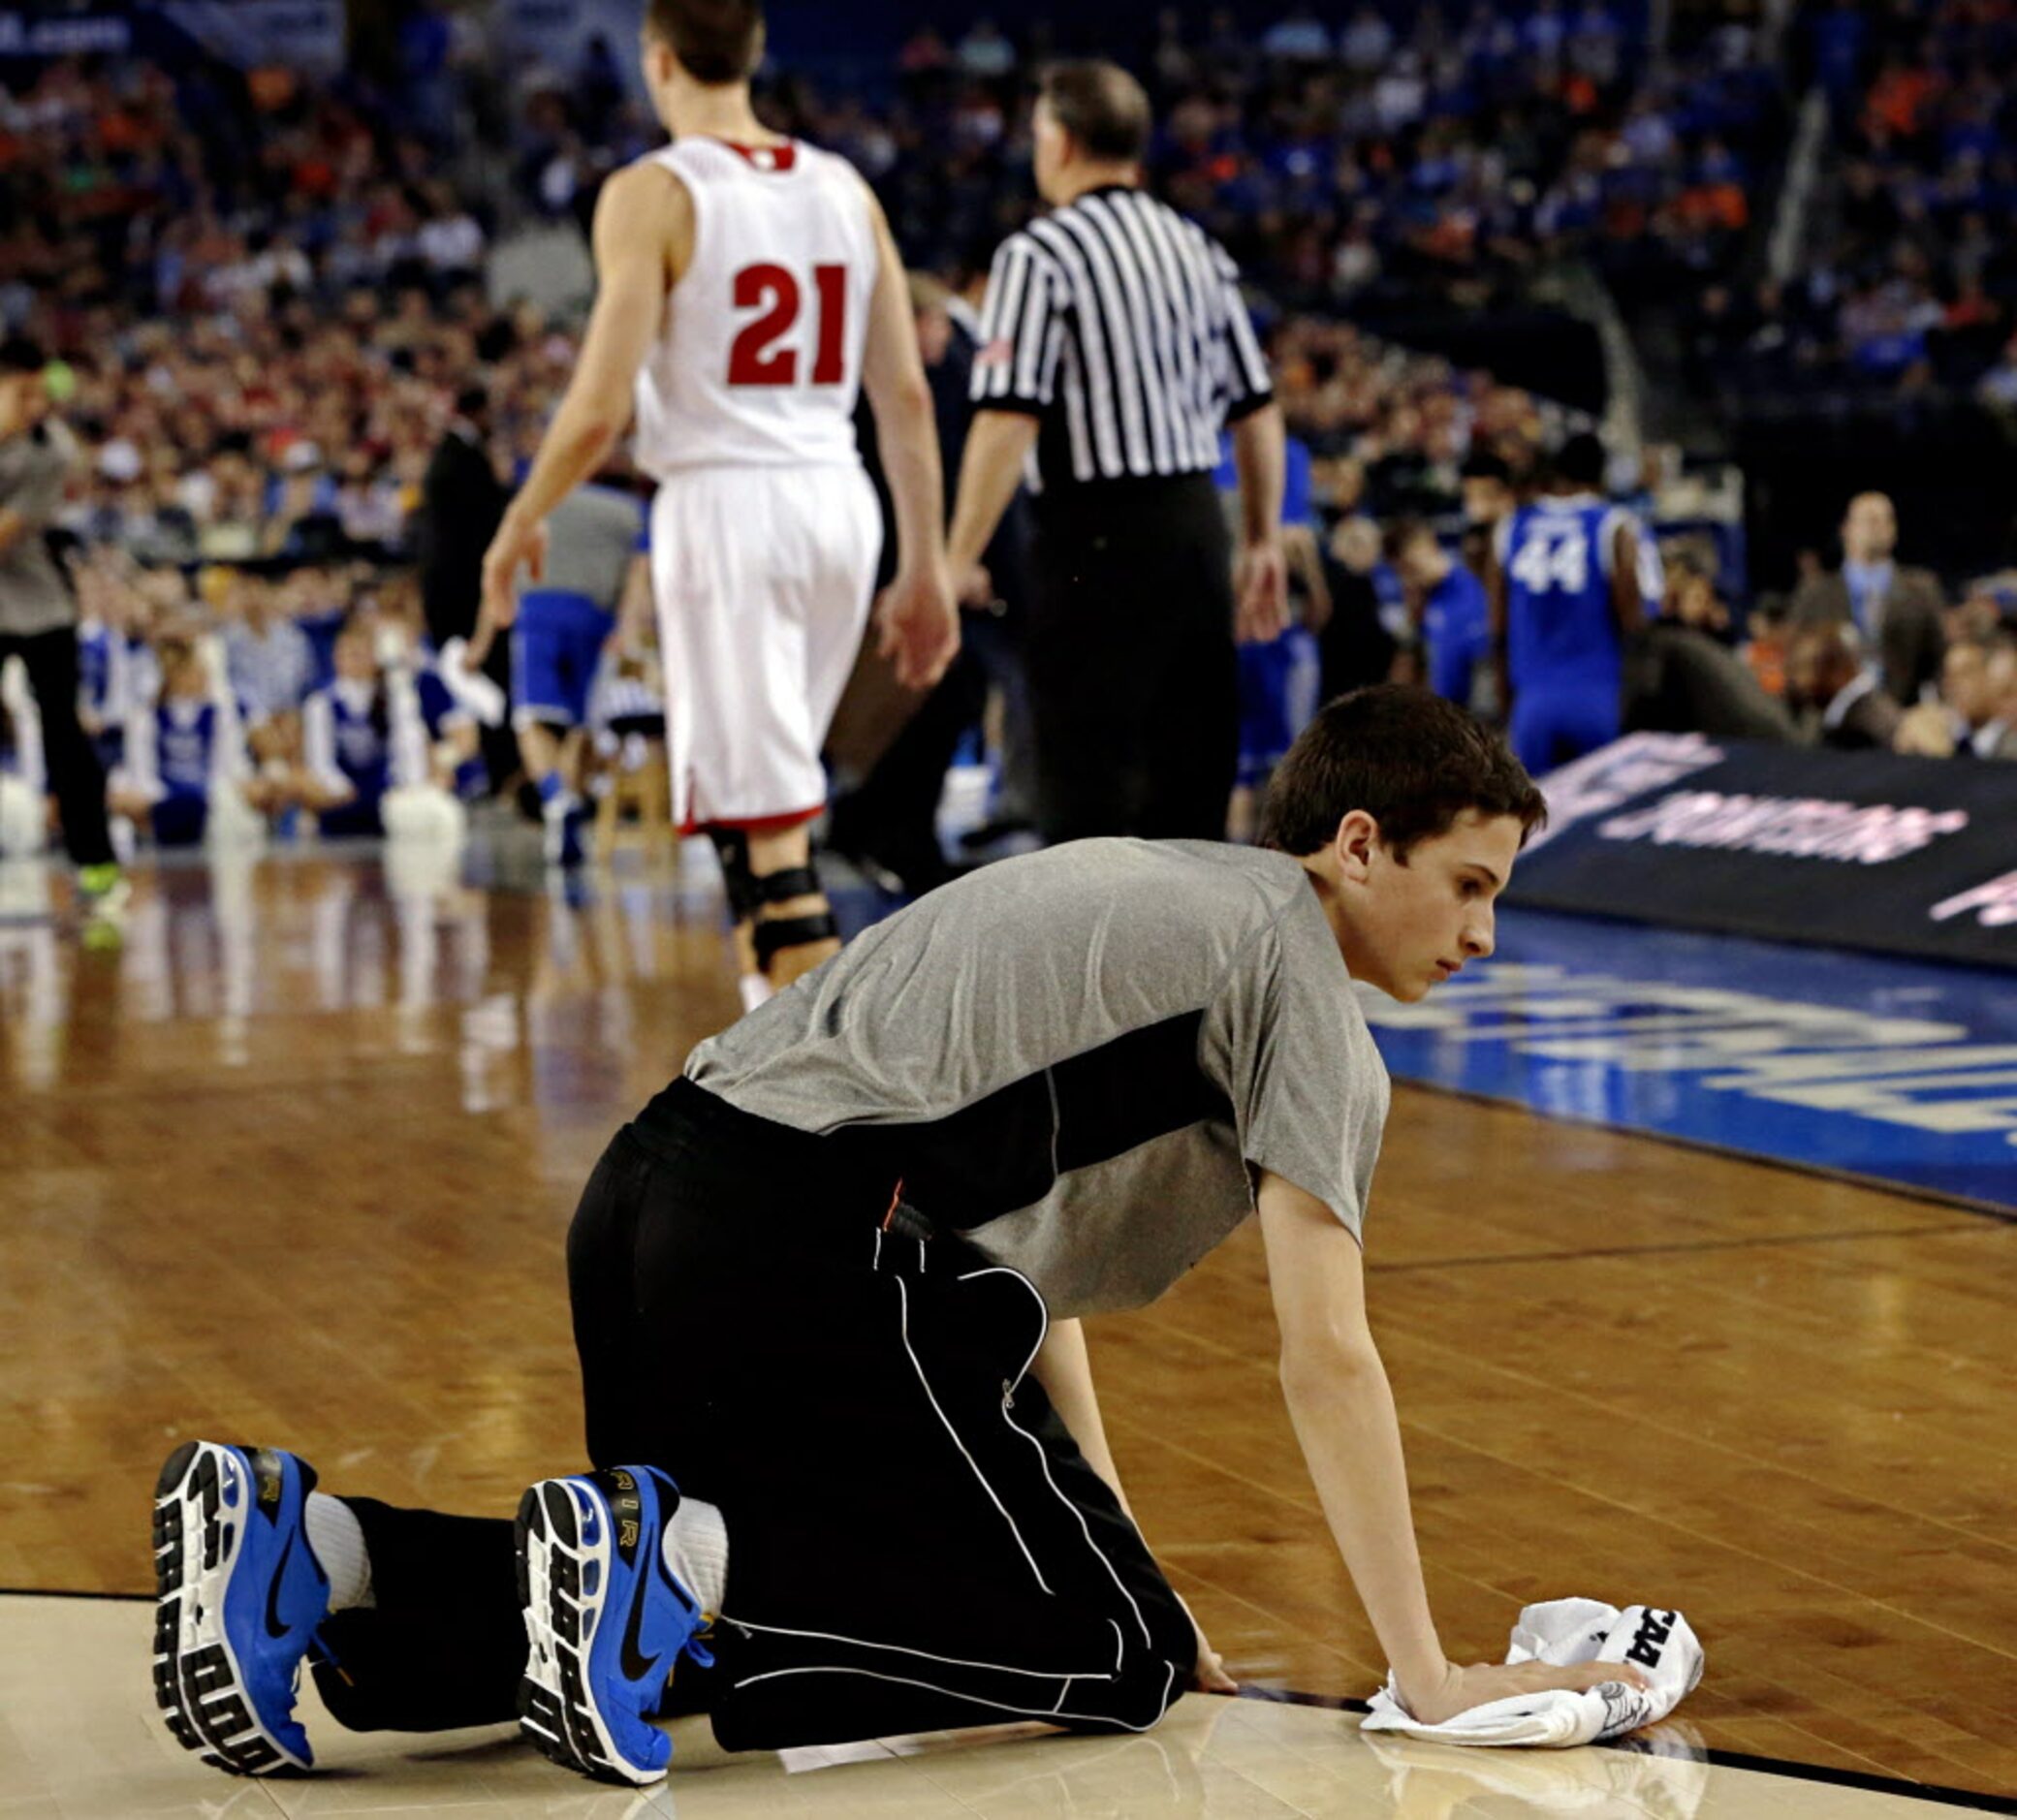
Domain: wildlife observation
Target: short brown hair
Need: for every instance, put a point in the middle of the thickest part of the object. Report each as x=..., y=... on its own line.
x=717, y=41
x=1102, y=107
x=1406, y=531
x=1409, y=759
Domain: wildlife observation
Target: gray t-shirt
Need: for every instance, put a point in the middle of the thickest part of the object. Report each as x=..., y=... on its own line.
x=592, y=537
x=1081, y=1058
x=34, y=594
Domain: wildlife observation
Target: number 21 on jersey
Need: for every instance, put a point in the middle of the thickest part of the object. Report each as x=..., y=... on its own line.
x=777, y=296
x=1552, y=558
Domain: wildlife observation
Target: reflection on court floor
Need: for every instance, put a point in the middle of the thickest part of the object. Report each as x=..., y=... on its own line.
x=79, y=1737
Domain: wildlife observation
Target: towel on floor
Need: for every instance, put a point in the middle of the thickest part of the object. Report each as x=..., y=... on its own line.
x=1566, y=1631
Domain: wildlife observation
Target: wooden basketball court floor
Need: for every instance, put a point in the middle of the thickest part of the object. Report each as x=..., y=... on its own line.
x=295, y=1164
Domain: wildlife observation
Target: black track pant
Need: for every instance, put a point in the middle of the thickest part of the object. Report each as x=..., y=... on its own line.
x=1134, y=687
x=74, y=772
x=914, y=1541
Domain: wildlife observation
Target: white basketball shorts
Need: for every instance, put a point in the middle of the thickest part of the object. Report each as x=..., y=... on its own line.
x=762, y=578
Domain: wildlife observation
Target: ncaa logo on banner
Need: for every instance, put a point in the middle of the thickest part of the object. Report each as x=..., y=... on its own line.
x=1995, y=903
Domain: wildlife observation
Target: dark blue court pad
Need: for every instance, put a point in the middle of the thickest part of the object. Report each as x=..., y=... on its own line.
x=1902, y=1071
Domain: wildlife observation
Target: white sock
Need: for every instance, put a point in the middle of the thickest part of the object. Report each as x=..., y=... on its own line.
x=696, y=1552
x=338, y=1541
x=757, y=989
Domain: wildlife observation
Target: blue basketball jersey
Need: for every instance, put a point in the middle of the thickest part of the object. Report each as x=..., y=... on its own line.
x=184, y=746
x=1560, y=626
x=364, y=742
x=1457, y=629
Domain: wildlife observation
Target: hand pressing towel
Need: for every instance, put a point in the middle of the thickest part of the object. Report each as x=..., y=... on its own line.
x=1566, y=1631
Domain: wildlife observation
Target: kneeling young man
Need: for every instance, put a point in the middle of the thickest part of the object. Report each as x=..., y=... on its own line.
x=831, y=1279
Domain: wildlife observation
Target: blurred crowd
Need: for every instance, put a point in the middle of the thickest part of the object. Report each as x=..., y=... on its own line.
x=267, y=307
x=1438, y=151
x=1908, y=281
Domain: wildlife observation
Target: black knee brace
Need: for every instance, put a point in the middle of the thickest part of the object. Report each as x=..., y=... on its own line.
x=772, y=933
x=732, y=847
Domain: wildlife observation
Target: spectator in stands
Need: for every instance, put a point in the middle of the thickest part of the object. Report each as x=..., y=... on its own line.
x=1681, y=675
x=1768, y=627
x=1896, y=611
x=269, y=664
x=1978, y=698
x=1833, y=695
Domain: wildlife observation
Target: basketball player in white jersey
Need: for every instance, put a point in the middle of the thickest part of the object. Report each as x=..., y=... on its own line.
x=748, y=289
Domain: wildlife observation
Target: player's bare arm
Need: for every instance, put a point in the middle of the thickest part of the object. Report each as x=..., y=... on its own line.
x=1627, y=605
x=634, y=611
x=1343, y=1409
x=643, y=235
x=1305, y=561
x=1496, y=621
x=918, y=619
x=1260, y=459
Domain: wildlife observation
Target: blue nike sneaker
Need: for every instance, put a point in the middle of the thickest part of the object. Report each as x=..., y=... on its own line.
x=239, y=1596
x=605, y=1620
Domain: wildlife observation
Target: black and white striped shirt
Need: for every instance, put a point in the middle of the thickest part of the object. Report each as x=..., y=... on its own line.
x=1120, y=325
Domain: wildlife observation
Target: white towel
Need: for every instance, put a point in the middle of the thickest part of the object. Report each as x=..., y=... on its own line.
x=476, y=695
x=1566, y=1631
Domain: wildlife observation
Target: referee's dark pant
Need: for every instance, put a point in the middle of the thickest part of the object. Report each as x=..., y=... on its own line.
x=69, y=757
x=1133, y=680
x=915, y=1542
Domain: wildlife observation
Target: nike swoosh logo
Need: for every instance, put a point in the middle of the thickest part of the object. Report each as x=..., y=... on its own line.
x=635, y=1665
x=274, y=1627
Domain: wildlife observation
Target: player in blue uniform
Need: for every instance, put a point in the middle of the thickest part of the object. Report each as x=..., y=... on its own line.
x=594, y=562
x=1448, y=608
x=1570, y=576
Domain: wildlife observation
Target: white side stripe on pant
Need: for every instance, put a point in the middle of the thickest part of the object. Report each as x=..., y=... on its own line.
x=897, y=1649
x=903, y=1305
x=1044, y=1460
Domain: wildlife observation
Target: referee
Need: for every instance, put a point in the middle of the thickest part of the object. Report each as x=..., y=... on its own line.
x=1113, y=346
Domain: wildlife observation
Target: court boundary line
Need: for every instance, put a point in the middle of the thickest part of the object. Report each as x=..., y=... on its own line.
x=1868, y=1782
x=1678, y=1246
x=1993, y=1211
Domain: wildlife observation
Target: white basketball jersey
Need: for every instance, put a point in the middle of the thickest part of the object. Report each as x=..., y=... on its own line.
x=760, y=360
